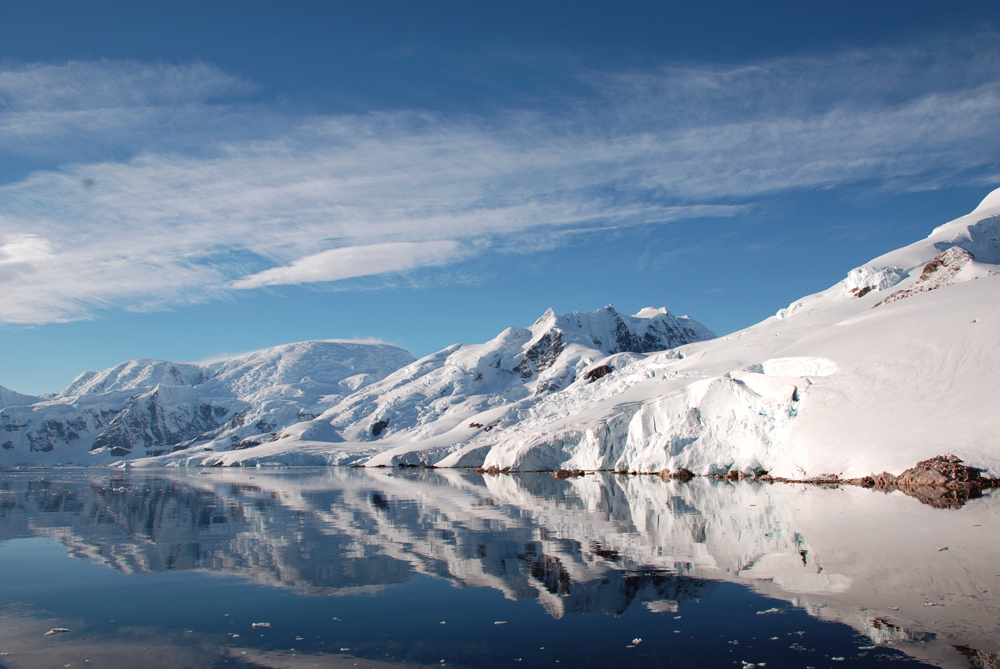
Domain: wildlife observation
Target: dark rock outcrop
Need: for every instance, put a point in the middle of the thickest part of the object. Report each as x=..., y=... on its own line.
x=598, y=372
x=681, y=475
x=942, y=481
x=542, y=354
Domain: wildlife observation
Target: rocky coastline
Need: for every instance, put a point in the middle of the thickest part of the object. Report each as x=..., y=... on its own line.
x=942, y=481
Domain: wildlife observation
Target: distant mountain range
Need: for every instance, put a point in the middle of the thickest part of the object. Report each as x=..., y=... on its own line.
x=144, y=408
x=894, y=364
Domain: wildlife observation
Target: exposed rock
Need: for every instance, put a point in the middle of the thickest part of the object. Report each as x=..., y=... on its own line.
x=149, y=424
x=866, y=279
x=542, y=354
x=861, y=292
x=942, y=481
x=939, y=272
x=980, y=658
x=561, y=474
x=250, y=442
x=598, y=372
x=378, y=427
x=681, y=475
x=883, y=481
x=942, y=470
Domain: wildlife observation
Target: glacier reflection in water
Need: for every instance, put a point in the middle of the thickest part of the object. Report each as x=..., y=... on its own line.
x=391, y=566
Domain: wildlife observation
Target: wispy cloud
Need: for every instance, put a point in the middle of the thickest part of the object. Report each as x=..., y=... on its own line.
x=353, y=261
x=175, y=189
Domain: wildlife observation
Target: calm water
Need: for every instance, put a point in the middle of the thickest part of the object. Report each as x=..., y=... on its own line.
x=350, y=567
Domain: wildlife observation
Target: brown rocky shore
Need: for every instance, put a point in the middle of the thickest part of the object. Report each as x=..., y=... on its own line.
x=942, y=481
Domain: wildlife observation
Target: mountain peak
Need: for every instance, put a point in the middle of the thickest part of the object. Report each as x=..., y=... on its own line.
x=990, y=202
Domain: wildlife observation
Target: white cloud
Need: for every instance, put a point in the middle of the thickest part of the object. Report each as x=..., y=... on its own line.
x=82, y=111
x=233, y=196
x=353, y=261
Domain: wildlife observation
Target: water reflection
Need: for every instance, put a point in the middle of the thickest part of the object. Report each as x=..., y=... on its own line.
x=922, y=578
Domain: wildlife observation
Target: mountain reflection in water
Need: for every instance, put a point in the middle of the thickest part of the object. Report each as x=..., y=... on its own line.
x=921, y=578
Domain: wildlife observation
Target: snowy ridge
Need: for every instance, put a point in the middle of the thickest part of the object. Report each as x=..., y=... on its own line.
x=147, y=407
x=9, y=398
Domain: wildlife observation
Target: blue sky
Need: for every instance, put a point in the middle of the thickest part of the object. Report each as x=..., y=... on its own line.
x=183, y=180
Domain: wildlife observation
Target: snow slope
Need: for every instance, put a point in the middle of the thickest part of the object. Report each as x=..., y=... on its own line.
x=896, y=363
x=147, y=407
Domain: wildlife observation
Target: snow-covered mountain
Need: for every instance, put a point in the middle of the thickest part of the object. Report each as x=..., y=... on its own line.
x=148, y=407
x=895, y=364
x=480, y=384
x=9, y=398
x=464, y=393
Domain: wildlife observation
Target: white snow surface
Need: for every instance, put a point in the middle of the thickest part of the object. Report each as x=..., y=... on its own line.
x=895, y=364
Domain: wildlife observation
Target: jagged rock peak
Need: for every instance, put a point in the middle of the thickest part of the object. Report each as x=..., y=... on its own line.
x=651, y=329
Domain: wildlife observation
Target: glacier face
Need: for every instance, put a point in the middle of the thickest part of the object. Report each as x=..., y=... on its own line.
x=148, y=407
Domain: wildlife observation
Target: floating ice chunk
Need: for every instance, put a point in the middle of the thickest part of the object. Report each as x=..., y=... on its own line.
x=637, y=641
x=769, y=611
x=499, y=622
x=256, y=625
x=56, y=630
